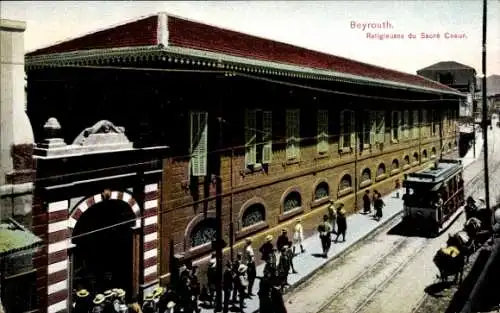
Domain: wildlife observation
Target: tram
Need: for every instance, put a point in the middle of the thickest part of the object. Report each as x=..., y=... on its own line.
x=434, y=197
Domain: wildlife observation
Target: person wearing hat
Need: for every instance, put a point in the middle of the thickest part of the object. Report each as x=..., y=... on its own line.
x=195, y=288
x=82, y=301
x=227, y=285
x=212, y=277
x=241, y=284
x=324, y=230
x=277, y=301
x=284, y=267
x=341, y=222
x=236, y=266
x=283, y=240
x=267, y=249
x=298, y=236
x=249, y=261
x=470, y=208
x=149, y=305
x=332, y=216
x=168, y=300
x=99, y=301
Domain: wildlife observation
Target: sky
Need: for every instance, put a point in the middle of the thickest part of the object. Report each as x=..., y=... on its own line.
x=333, y=27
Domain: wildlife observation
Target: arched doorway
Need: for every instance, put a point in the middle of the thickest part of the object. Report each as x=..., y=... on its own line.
x=103, y=247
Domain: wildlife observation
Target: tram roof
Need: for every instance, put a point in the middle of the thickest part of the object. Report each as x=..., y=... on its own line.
x=435, y=174
x=167, y=37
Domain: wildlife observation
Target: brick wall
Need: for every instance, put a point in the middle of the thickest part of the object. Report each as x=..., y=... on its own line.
x=185, y=202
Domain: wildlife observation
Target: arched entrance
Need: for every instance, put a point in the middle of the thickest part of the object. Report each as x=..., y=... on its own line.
x=103, y=247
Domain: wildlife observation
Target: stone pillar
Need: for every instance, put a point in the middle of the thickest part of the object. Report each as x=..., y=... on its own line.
x=16, y=134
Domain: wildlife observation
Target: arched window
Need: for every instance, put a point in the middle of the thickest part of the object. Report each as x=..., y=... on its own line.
x=254, y=214
x=203, y=232
x=381, y=169
x=345, y=182
x=395, y=164
x=293, y=200
x=433, y=151
x=415, y=157
x=407, y=160
x=424, y=154
x=322, y=191
x=366, y=175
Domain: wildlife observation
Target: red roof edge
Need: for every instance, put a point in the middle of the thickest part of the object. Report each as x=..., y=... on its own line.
x=139, y=32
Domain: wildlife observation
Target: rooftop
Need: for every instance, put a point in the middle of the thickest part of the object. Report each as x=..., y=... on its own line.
x=446, y=65
x=175, y=35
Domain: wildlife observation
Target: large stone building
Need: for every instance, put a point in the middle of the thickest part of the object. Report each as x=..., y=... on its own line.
x=285, y=128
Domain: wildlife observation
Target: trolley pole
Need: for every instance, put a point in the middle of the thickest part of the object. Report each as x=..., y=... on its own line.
x=485, y=112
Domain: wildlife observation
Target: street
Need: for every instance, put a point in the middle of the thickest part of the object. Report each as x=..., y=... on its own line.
x=389, y=272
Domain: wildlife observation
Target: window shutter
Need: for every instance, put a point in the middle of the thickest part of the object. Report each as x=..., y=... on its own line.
x=424, y=125
x=322, y=118
x=250, y=137
x=352, y=118
x=199, y=136
x=406, y=117
x=342, y=130
x=398, y=117
x=297, y=132
x=381, y=133
x=267, y=128
x=415, y=124
x=373, y=126
x=292, y=131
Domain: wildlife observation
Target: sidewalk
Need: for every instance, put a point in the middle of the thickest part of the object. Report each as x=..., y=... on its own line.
x=358, y=227
x=469, y=156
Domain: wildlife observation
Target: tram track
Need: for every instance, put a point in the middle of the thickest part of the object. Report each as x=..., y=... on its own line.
x=373, y=281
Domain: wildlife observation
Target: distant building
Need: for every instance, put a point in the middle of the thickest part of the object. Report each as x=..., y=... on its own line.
x=458, y=76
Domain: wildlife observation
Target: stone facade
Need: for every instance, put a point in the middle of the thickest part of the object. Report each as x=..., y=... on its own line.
x=56, y=213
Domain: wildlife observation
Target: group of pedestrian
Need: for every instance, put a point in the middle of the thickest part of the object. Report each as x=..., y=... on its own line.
x=334, y=223
x=377, y=202
x=110, y=301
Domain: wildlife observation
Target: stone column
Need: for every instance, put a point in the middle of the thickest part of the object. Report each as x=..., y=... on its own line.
x=16, y=134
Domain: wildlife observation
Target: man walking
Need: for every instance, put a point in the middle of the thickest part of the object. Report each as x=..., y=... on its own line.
x=332, y=217
x=249, y=258
x=341, y=222
x=367, y=202
x=325, y=230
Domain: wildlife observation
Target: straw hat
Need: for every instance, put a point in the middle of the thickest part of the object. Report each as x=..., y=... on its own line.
x=158, y=291
x=99, y=298
x=170, y=304
x=109, y=293
x=212, y=261
x=120, y=292
x=248, y=240
x=82, y=293
x=149, y=297
x=269, y=238
x=284, y=230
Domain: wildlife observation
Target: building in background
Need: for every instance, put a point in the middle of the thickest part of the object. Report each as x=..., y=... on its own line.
x=285, y=128
x=458, y=76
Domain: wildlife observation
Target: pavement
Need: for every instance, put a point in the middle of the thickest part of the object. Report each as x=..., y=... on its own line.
x=359, y=227
x=469, y=156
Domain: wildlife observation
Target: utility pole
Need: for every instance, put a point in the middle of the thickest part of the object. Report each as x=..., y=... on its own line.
x=218, y=216
x=485, y=112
